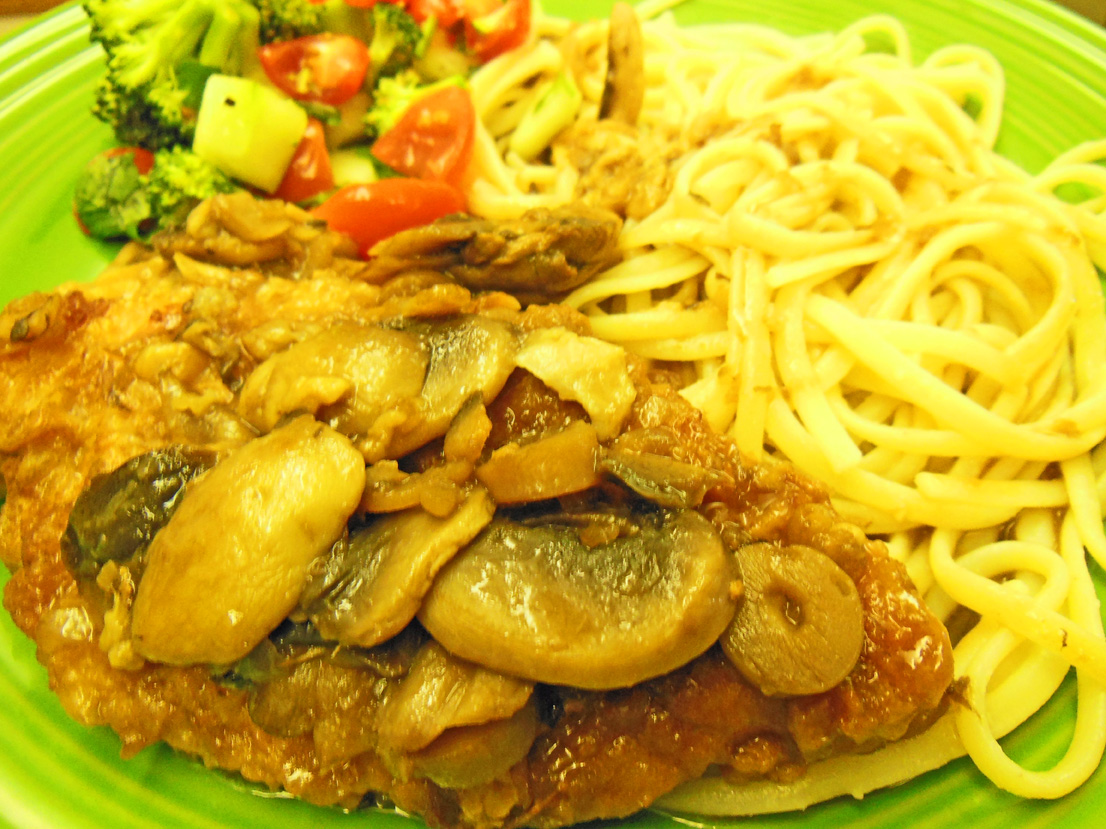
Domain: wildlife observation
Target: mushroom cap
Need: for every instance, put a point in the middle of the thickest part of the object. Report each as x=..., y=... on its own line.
x=533, y=600
x=800, y=627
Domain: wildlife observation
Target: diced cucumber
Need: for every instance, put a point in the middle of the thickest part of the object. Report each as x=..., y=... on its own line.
x=248, y=130
x=441, y=59
x=554, y=110
x=353, y=165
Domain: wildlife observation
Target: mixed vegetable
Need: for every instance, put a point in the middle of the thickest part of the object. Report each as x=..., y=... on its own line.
x=356, y=109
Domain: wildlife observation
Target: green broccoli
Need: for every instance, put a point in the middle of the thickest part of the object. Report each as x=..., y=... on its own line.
x=114, y=22
x=397, y=39
x=178, y=181
x=159, y=55
x=394, y=95
x=288, y=19
x=114, y=200
x=110, y=200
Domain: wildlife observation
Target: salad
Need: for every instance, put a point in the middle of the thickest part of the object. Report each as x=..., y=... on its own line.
x=355, y=109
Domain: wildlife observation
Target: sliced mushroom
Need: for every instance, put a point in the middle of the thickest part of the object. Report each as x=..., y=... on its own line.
x=624, y=92
x=371, y=585
x=232, y=561
x=437, y=490
x=390, y=388
x=533, y=600
x=117, y=515
x=471, y=755
x=800, y=627
x=285, y=673
x=294, y=643
x=560, y=464
x=467, y=434
x=663, y=480
x=539, y=255
x=469, y=355
x=354, y=377
x=443, y=692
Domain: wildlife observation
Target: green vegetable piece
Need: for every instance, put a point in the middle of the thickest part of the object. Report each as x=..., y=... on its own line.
x=354, y=165
x=147, y=94
x=287, y=19
x=340, y=18
x=111, y=200
x=551, y=113
x=394, y=95
x=192, y=77
x=178, y=181
x=248, y=130
x=439, y=57
x=232, y=38
x=397, y=40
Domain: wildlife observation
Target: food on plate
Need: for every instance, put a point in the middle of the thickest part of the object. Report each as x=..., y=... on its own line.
x=543, y=254
x=820, y=241
x=296, y=99
x=393, y=541
x=810, y=241
x=130, y=192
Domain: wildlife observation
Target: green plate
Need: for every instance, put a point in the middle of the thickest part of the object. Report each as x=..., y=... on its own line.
x=56, y=774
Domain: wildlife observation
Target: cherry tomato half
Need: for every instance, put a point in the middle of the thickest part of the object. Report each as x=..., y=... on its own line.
x=374, y=211
x=433, y=138
x=446, y=12
x=143, y=158
x=493, y=27
x=326, y=68
x=309, y=172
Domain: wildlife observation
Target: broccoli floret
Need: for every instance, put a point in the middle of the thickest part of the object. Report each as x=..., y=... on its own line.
x=110, y=199
x=178, y=181
x=155, y=119
x=394, y=95
x=114, y=22
x=288, y=19
x=159, y=55
x=113, y=200
x=397, y=39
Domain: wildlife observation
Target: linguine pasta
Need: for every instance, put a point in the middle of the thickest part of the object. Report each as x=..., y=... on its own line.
x=850, y=278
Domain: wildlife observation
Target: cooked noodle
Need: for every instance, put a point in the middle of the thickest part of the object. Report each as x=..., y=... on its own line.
x=855, y=281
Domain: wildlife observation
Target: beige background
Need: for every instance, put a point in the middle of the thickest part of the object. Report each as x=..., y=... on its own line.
x=14, y=13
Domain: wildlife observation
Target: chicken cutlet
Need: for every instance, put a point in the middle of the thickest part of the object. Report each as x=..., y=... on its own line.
x=394, y=541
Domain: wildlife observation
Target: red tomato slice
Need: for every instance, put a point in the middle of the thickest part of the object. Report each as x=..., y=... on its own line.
x=309, y=172
x=493, y=27
x=143, y=158
x=447, y=12
x=326, y=68
x=375, y=211
x=433, y=138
